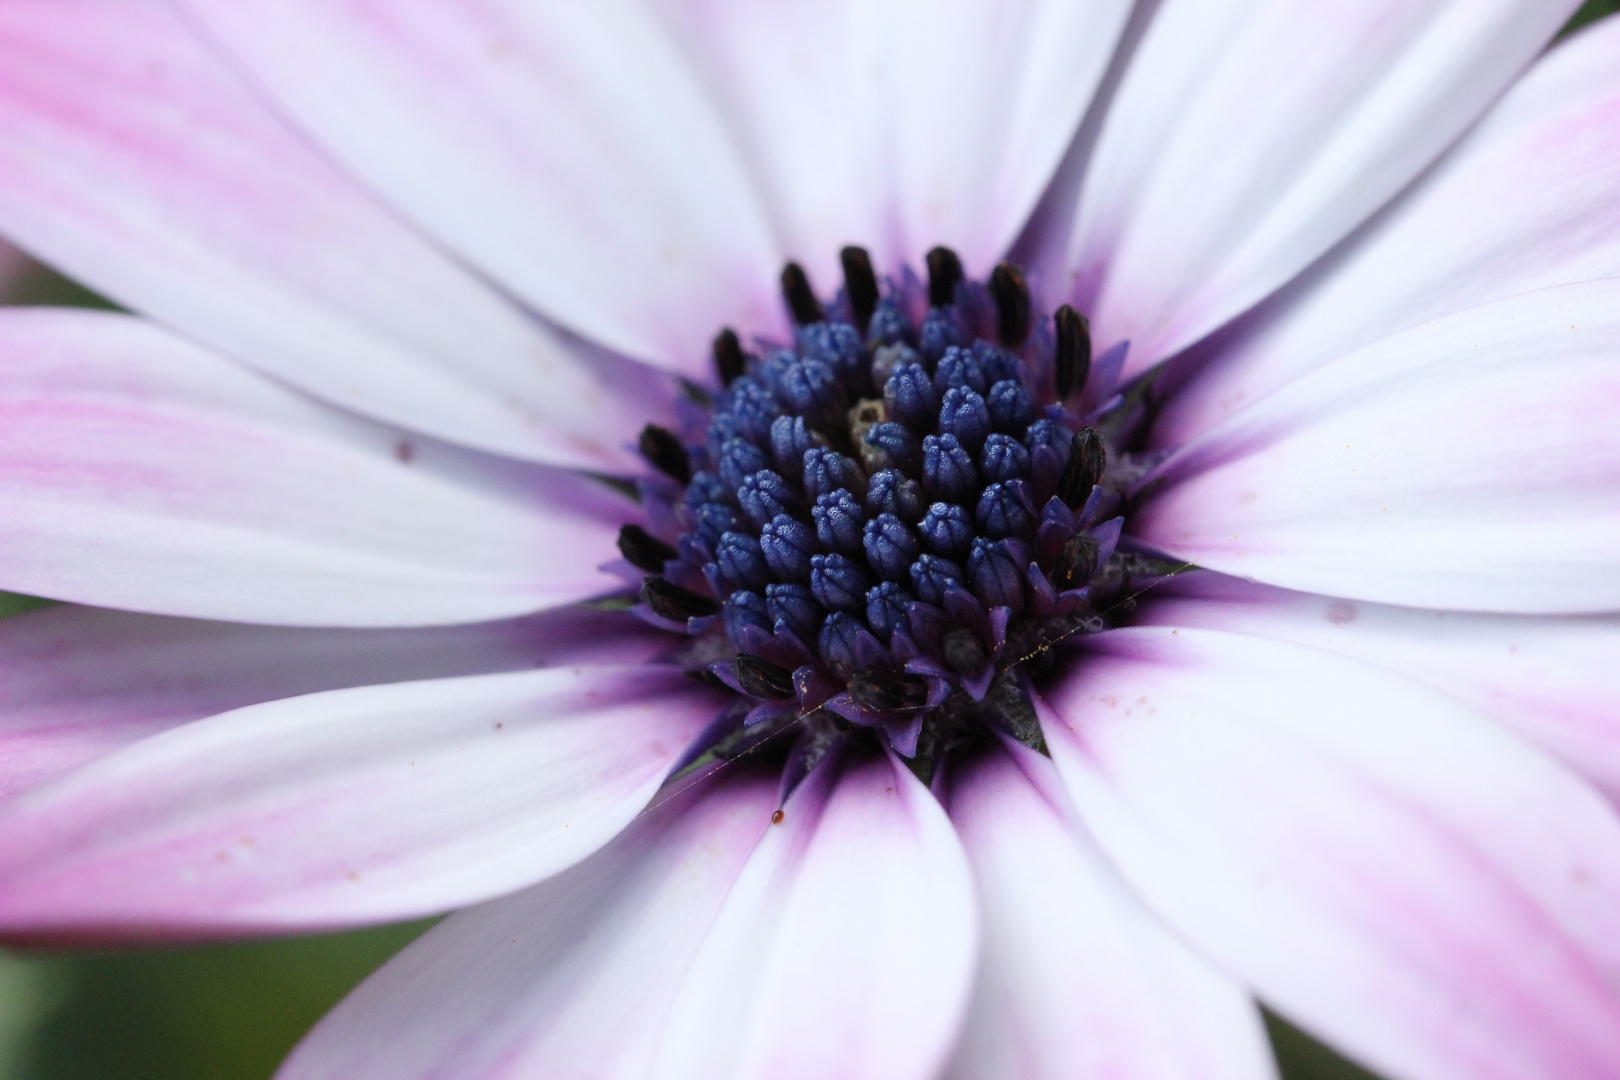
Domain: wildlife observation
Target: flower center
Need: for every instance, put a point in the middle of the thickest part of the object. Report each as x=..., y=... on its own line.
x=878, y=532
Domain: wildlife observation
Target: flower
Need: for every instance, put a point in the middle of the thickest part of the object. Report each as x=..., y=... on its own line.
x=968, y=779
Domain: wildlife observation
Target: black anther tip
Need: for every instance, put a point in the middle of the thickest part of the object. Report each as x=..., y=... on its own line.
x=642, y=550
x=674, y=602
x=860, y=284
x=1011, y=294
x=1088, y=459
x=1077, y=563
x=801, y=299
x=944, y=275
x=763, y=679
x=663, y=449
x=1072, y=358
x=729, y=361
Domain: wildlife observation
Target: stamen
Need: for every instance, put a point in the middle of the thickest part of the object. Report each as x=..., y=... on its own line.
x=1071, y=361
x=944, y=275
x=1077, y=563
x=1087, y=462
x=860, y=285
x=1011, y=294
x=665, y=453
x=763, y=679
x=674, y=602
x=801, y=299
x=729, y=361
x=643, y=550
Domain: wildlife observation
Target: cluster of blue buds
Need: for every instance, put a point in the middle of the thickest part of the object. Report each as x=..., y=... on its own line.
x=878, y=528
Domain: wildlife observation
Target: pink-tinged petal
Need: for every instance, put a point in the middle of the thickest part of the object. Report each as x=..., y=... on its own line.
x=1248, y=138
x=846, y=947
x=1524, y=202
x=138, y=471
x=572, y=979
x=901, y=125
x=1382, y=865
x=1471, y=463
x=137, y=162
x=567, y=150
x=1075, y=978
x=1552, y=679
x=78, y=683
x=347, y=806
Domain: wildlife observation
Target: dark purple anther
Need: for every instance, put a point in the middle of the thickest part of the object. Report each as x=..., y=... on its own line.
x=890, y=546
x=837, y=344
x=1071, y=358
x=860, y=284
x=739, y=458
x=944, y=275
x=948, y=473
x=1003, y=458
x=1010, y=408
x=812, y=389
x=886, y=609
x=1084, y=468
x=1011, y=295
x=963, y=414
x=794, y=606
x=996, y=577
x=899, y=446
x=799, y=296
x=838, y=581
x=946, y=530
x=788, y=544
x=838, y=642
x=839, y=518
x=790, y=438
x=764, y=495
x=729, y=361
x=1048, y=433
x=1003, y=512
x=826, y=471
x=643, y=550
x=714, y=519
x=664, y=451
x=910, y=398
x=892, y=493
x=744, y=609
x=937, y=333
x=931, y=576
x=959, y=367
x=741, y=560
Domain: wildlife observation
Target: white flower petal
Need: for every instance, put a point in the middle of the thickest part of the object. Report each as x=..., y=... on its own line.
x=1524, y=202
x=348, y=806
x=144, y=473
x=846, y=947
x=1383, y=866
x=1248, y=138
x=133, y=160
x=81, y=682
x=1552, y=679
x=565, y=149
x=572, y=979
x=1075, y=978
x=1471, y=463
x=901, y=125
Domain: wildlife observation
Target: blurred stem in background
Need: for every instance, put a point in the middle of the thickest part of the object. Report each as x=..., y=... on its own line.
x=232, y=1011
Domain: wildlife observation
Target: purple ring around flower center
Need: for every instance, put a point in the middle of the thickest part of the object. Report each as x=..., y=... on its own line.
x=879, y=531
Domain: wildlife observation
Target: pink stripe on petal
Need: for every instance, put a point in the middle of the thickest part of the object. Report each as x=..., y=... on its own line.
x=139, y=471
x=1524, y=202
x=564, y=149
x=1076, y=978
x=1552, y=679
x=1248, y=138
x=78, y=683
x=139, y=164
x=845, y=948
x=1471, y=463
x=1381, y=865
x=572, y=979
x=346, y=807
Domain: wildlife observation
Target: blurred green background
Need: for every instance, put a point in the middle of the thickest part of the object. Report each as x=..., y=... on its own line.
x=232, y=1011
